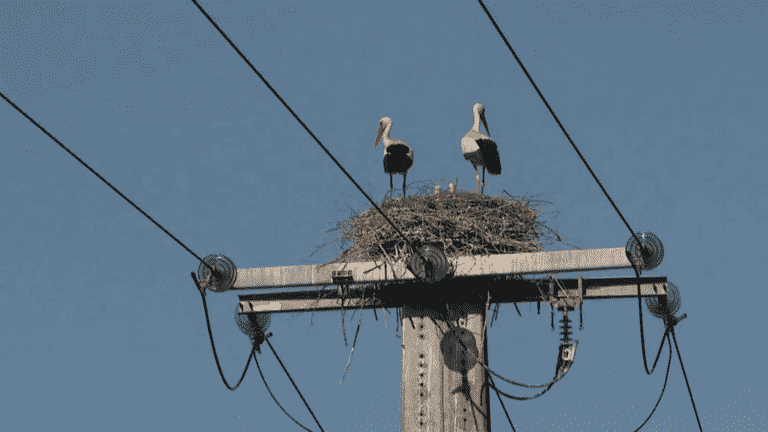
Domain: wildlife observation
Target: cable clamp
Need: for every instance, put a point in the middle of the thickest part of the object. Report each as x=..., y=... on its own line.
x=259, y=340
x=342, y=279
x=201, y=285
x=565, y=356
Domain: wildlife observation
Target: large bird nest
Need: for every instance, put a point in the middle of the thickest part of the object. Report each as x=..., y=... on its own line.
x=459, y=223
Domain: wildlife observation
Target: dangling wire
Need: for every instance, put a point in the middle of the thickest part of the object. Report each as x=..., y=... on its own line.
x=213, y=346
x=642, y=333
x=477, y=359
x=669, y=363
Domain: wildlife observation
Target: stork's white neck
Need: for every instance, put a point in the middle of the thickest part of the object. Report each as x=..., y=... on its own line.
x=385, y=139
x=476, y=122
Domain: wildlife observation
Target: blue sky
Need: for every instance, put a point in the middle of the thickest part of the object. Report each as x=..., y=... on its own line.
x=102, y=328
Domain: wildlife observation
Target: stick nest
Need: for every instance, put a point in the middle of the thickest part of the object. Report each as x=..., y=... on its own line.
x=460, y=223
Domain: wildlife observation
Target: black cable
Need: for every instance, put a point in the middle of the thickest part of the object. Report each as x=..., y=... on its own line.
x=686, y=376
x=502, y=404
x=554, y=380
x=215, y=356
x=264, y=80
x=102, y=179
x=642, y=333
x=669, y=363
x=494, y=373
x=294, y=384
x=558, y=121
x=274, y=398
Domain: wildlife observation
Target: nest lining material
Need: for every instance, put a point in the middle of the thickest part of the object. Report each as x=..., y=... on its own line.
x=459, y=223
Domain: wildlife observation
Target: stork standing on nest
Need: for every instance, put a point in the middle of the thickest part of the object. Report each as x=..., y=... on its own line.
x=398, y=155
x=480, y=149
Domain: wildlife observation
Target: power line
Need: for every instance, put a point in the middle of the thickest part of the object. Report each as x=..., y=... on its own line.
x=274, y=398
x=685, y=376
x=642, y=245
x=104, y=180
x=558, y=122
x=501, y=401
x=294, y=384
x=264, y=80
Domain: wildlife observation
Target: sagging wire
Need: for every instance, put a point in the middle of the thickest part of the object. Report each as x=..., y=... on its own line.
x=257, y=342
x=666, y=377
x=213, y=346
x=477, y=359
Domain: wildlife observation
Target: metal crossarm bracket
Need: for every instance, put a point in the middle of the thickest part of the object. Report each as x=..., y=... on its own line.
x=341, y=277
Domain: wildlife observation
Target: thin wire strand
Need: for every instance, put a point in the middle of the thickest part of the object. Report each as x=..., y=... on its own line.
x=294, y=384
x=274, y=398
x=685, y=376
x=104, y=180
x=264, y=80
x=558, y=121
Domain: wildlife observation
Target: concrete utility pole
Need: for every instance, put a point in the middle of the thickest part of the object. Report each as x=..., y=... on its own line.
x=444, y=389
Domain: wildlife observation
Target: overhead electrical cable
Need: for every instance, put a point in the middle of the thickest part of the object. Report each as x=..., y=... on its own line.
x=501, y=401
x=642, y=245
x=274, y=398
x=294, y=384
x=264, y=80
x=674, y=339
x=558, y=120
x=105, y=181
x=644, y=249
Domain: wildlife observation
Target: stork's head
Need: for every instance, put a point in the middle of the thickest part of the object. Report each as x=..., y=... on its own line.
x=479, y=109
x=383, y=123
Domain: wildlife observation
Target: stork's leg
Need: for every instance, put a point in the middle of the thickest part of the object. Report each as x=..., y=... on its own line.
x=483, y=189
x=477, y=179
x=404, y=176
x=390, y=186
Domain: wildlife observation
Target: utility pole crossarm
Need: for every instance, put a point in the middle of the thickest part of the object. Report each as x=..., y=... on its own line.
x=377, y=271
x=398, y=294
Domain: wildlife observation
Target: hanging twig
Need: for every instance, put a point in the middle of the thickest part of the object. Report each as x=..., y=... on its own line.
x=354, y=343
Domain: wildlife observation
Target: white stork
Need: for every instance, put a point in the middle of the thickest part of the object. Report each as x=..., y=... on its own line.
x=398, y=155
x=480, y=149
